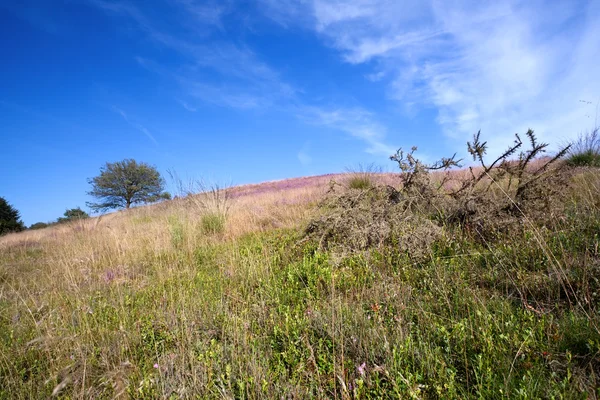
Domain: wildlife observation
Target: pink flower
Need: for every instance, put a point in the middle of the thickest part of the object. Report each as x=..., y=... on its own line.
x=155, y=366
x=361, y=369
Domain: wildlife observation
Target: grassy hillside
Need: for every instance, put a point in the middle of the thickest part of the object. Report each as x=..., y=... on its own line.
x=308, y=289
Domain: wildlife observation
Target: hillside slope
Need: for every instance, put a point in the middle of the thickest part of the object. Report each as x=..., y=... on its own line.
x=227, y=295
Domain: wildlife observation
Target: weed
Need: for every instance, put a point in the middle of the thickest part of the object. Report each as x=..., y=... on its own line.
x=362, y=177
x=585, y=150
x=213, y=223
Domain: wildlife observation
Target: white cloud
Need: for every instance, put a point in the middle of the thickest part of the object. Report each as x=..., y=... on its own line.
x=135, y=125
x=501, y=67
x=216, y=71
x=231, y=75
x=187, y=106
x=356, y=122
x=304, y=156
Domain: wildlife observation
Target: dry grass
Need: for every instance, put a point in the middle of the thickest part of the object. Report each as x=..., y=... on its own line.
x=145, y=303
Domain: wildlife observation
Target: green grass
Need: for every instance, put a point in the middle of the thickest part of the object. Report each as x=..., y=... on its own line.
x=589, y=158
x=360, y=182
x=585, y=150
x=269, y=316
x=213, y=223
x=363, y=177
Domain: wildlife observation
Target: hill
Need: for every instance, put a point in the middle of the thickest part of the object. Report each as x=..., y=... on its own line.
x=310, y=287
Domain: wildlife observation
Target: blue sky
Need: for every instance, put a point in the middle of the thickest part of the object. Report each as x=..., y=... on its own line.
x=249, y=91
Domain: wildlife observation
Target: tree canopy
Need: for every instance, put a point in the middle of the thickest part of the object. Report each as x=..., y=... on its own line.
x=10, y=219
x=124, y=183
x=39, y=225
x=72, y=215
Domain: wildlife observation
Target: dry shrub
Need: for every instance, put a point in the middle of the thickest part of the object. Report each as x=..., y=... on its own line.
x=494, y=198
x=491, y=200
x=362, y=219
x=506, y=194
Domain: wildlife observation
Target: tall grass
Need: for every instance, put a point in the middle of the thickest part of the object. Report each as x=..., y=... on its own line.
x=363, y=177
x=585, y=150
x=147, y=304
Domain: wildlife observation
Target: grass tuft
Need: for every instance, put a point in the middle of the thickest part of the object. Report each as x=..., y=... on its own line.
x=585, y=150
x=363, y=177
x=213, y=223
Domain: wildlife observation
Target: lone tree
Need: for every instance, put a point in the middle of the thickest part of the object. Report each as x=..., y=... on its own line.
x=123, y=183
x=72, y=215
x=10, y=220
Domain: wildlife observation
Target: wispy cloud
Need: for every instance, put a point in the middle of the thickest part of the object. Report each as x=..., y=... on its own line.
x=135, y=125
x=206, y=13
x=232, y=75
x=356, y=122
x=250, y=82
x=496, y=66
x=304, y=156
x=187, y=106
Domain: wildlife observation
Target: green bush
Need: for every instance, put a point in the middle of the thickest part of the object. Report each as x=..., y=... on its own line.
x=585, y=150
x=74, y=214
x=588, y=159
x=360, y=182
x=362, y=177
x=38, y=225
x=213, y=223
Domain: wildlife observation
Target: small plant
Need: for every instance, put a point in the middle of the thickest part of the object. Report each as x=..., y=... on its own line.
x=360, y=182
x=212, y=200
x=585, y=150
x=177, y=231
x=416, y=178
x=213, y=223
x=362, y=177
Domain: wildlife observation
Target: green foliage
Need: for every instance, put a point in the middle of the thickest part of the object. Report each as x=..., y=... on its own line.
x=73, y=214
x=348, y=313
x=359, y=182
x=10, y=219
x=585, y=150
x=39, y=225
x=585, y=159
x=177, y=231
x=125, y=183
x=213, y=222
x=363, y=177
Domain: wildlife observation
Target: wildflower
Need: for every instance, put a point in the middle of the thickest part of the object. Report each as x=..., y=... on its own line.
x=156, y=366
x=109, y=276
x=361, y=369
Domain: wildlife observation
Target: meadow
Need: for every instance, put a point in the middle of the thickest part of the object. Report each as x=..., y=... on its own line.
x=304, y=289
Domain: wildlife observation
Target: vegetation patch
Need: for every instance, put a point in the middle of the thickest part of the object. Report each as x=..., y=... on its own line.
x=374, y=218
x=585, y=150
x=480, y=284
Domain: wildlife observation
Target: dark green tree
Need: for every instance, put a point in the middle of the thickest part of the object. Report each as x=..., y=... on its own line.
x=10, y=220
x=124, y=183
x=72, y=215
x=39, y=225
